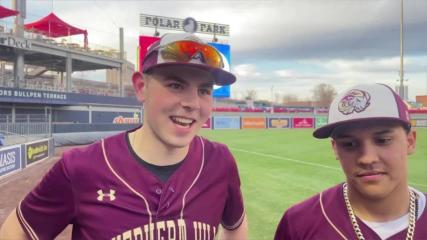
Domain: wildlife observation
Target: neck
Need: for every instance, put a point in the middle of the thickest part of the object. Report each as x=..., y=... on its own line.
x=154, y=151
x=390, y=207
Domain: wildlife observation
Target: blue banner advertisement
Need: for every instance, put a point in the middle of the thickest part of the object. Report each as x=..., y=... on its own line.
x=226, y=122
x=279, y=123
x=10, y=159
x=224, y=91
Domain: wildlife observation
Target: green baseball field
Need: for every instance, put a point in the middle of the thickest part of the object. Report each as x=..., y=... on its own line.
x=279, y=168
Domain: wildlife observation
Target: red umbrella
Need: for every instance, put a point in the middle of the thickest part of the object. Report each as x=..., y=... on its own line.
x=6, y=12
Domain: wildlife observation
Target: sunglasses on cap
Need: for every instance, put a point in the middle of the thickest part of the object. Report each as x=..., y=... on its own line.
x=191, y=52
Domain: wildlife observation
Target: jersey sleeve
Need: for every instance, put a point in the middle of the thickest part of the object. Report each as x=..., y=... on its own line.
x=49, y=207
x=283, y=231
x=234, y=211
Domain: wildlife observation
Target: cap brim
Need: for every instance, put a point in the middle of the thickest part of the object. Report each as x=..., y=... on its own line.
x=327, y=130
x=221, y=77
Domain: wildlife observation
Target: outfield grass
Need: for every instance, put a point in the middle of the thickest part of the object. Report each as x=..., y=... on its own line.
x=279, y=168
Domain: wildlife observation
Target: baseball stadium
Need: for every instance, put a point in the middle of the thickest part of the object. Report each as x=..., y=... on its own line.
x=45, y=110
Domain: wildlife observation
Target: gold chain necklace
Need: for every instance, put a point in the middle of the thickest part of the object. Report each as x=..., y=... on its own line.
x=359, y=235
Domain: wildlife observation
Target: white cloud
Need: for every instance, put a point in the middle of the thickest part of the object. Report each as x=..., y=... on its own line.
x=339, y=73
x=285, y=73
x=246, y=70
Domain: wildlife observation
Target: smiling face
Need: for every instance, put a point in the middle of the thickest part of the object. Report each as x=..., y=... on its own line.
x=177, y=102
x=373, y=156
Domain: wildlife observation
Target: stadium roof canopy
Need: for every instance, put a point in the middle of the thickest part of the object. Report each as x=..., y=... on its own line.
x=6, y=12
x=53, y=26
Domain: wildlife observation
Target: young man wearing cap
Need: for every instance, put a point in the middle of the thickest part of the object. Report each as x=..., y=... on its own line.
x=372, y=138
x=159, y=181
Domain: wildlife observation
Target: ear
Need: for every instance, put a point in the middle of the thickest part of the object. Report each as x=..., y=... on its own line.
x=138, y=85
x=334, y=147
x=411, y=140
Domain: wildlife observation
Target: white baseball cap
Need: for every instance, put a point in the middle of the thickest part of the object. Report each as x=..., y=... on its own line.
x=188, y=49
x=364, y=102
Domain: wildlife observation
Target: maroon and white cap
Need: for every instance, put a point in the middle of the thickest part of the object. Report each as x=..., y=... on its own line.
x=361, y=103
x=153, y=59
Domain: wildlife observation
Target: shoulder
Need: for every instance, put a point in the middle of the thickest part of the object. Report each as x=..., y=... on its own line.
x=304, y=208
x=90, y=156
x=297, y=219
x=421, y=223
x=95, y=147
x=306, y=216
x=325, y=199
x=217, y=153
x=215, y=148
x=212, y=145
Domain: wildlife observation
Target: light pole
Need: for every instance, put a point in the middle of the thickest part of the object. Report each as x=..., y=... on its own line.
x=401, y=86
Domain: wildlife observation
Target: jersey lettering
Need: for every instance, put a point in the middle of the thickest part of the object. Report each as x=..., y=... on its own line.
x=168, y=230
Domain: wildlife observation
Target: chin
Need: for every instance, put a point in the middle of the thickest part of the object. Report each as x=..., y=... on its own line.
x=373, y=192
x=179, y=142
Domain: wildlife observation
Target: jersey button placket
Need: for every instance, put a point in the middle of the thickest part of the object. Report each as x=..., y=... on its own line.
x=171, y=191
x=159, y=192
x=165, y=197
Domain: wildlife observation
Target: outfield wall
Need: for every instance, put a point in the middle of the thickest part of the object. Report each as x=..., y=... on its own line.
x=17, y=157
x=281, y=121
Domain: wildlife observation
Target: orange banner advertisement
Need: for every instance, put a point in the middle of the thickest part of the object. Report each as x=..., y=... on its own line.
x=253, y=122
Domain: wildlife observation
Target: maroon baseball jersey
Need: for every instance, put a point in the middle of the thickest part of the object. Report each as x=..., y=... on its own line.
x=325, y=216
x=106, y=194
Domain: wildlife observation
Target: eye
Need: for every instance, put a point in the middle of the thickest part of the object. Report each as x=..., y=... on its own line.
x=205, y=91
x=175, y=86
x=347, y=144
x=383, y=140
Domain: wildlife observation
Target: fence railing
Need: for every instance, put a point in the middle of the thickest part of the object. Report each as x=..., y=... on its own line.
x=29, y=118
x=21, y=127
x=26, y=129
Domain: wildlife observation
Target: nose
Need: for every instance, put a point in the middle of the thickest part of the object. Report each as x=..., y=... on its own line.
x=368, y=154
x=190, y=100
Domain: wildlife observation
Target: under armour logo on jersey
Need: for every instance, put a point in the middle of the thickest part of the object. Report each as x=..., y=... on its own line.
x=111, y=195
x=197, y=58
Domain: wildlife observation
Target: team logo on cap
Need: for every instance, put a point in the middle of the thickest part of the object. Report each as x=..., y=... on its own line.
x=198, y=58
x=354, y=101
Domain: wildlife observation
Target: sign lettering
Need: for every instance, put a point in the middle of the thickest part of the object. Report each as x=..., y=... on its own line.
x=152, y=21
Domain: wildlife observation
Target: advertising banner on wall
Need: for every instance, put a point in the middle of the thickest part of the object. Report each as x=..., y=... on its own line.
x=37, y=151
x=126, y=118
x=207, y=124
x=321, y=121
x=144, y=43
x=226, y=122
x=302, y=123
x=224, y=49
x=10, y=159
x=278, y=123
x=253, y=122
x=420, y=123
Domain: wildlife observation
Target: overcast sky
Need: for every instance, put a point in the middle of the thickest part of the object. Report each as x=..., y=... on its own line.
x=277, y=47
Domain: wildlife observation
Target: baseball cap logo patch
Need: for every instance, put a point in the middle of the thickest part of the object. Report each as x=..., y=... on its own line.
x=354, y=101
x=198, y=58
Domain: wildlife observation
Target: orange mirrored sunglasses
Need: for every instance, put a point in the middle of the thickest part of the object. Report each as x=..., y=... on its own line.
x=185, y=51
